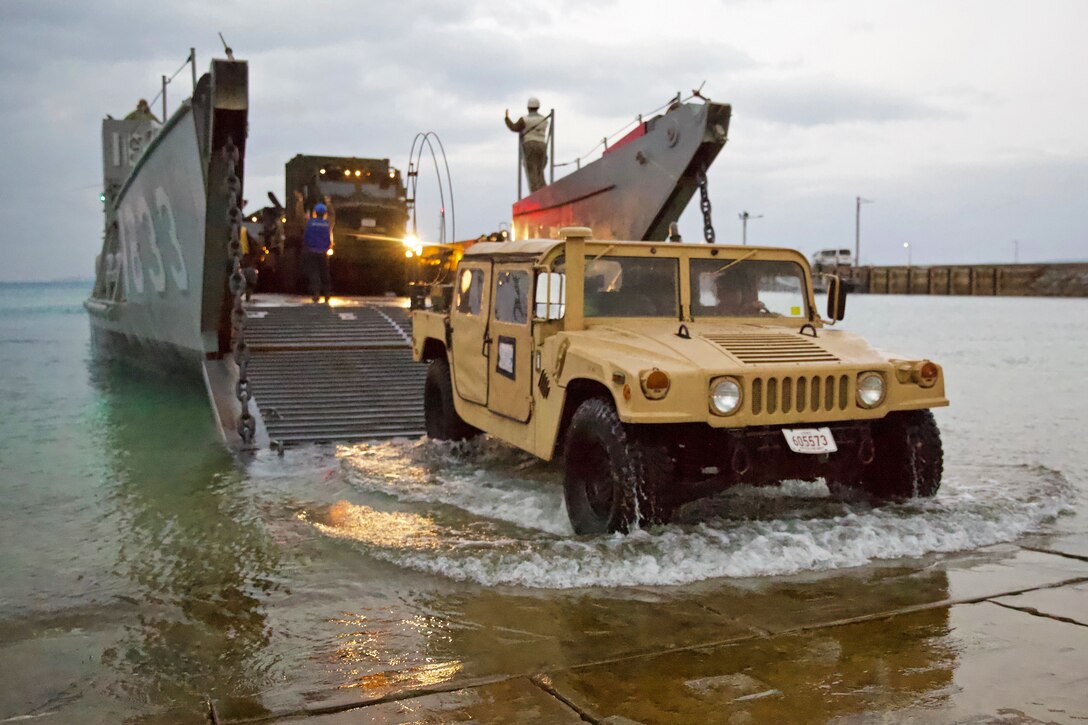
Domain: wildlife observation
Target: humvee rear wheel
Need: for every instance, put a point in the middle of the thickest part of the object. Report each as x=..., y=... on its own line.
x=612, y=479
x=441, y=418
x=909, y=458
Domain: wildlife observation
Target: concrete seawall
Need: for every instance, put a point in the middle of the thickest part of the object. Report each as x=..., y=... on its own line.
x=1009, y=280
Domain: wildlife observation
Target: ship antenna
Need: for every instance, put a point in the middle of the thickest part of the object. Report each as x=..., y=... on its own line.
x=226, y=48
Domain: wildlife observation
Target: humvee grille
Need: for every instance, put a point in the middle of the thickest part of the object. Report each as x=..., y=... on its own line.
x=756, y=349
x=802, y=393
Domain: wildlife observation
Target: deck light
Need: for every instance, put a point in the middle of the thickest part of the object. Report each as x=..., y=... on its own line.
x=413, y=243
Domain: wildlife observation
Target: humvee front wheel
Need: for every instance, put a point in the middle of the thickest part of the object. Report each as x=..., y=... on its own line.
x=909, y=459
x=612, y=480
x=440, y=416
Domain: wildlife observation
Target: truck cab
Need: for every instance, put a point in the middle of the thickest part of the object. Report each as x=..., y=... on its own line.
x=660, y=372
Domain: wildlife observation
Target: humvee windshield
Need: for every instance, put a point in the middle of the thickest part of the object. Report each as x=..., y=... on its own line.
x=632, y=287
x=748, y=288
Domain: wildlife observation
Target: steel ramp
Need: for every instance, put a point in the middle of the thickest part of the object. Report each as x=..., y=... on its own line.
x=325, y=374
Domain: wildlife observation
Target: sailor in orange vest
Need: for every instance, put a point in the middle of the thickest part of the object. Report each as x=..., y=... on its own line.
x=534, y=142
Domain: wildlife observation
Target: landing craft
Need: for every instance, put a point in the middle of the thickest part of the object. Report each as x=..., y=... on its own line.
x=160, y=293
x=641, y=183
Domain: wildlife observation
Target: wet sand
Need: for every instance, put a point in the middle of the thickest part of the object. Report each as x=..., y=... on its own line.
x=996, y=635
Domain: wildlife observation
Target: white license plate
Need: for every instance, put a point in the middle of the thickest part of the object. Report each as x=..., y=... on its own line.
x=810, y=440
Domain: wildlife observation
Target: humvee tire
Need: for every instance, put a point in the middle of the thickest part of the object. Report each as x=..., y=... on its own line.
x=441, y=418
x=909, y=460
x=612, y=480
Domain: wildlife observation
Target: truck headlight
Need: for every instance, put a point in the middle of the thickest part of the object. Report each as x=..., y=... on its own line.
x=725, y=396
x=870, y=390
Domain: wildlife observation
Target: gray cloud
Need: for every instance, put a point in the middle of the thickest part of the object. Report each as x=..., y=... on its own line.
x=817, y=101
x=362, y=78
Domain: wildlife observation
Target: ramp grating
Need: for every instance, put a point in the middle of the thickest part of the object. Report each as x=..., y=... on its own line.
x=321, y=374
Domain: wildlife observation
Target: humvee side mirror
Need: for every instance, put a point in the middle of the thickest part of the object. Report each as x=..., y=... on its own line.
x=551, y=296
x=836, y=298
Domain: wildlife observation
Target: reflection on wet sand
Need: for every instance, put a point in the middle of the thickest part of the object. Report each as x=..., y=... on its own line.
x=197, y=558
x=842, y=672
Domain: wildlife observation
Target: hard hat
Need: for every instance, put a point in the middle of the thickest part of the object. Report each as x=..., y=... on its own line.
x=319, y=209
x=534, y=104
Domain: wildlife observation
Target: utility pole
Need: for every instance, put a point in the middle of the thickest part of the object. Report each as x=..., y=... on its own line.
x=744, y=216
x=857, y=229
x=1016, y=251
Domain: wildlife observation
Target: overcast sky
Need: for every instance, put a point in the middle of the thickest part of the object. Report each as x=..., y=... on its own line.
x=963, y=121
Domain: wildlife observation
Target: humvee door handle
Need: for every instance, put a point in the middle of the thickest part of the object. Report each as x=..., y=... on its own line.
x=485, y=348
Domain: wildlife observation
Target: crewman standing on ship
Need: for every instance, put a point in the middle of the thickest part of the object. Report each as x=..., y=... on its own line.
x=142, y=112
x=533, y=128
x=317, y=247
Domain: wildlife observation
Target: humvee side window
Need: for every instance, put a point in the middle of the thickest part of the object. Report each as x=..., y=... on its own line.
x=632, y=287
x=470, y=291
x=512, y=297
x=551, y=295
x=749, y=288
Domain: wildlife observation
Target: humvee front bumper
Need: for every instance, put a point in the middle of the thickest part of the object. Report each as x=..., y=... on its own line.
x=760, y=454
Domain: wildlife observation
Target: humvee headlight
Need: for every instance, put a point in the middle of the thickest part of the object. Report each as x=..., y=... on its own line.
x=725, y=396
x=870, y=390
x=655, y=383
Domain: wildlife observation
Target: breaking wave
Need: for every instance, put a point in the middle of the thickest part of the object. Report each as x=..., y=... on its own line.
x=487, y=513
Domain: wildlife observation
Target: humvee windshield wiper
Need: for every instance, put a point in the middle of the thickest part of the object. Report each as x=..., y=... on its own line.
x=736, y=261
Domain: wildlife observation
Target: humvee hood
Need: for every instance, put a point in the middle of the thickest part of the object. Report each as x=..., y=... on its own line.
x=724, y=345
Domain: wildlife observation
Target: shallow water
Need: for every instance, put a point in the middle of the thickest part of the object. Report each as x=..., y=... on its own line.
x=144, y=569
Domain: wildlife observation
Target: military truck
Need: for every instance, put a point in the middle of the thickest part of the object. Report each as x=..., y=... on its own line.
x=369, y=212
x=662, y=372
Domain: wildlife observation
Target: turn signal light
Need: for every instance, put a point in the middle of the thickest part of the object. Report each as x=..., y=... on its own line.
x=927, y=374
x=655, y=383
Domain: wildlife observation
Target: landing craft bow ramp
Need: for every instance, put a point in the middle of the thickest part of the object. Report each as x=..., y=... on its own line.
x=321, y=373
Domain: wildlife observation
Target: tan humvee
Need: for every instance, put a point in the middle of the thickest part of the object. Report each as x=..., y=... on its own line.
x=666, y=371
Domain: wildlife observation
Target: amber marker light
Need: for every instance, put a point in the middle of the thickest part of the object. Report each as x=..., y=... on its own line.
x=358, y=173
x=329, y=251
x=655, y=383
x=347, y=172
x=927, y=374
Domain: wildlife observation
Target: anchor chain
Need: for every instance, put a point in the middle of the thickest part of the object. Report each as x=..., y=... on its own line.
x=246, y=424
x=704, y=206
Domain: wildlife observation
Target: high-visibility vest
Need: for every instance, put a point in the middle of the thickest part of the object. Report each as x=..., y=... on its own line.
x=536, y=128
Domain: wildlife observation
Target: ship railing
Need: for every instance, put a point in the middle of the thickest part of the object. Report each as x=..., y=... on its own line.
x=603, y=144
x=190, y=62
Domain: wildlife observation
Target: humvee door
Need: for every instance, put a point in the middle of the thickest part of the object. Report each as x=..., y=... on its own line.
x=468, y=320
x=510, y=369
